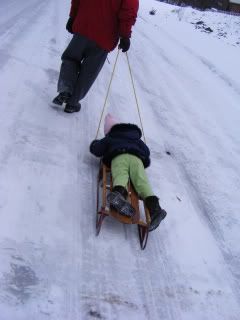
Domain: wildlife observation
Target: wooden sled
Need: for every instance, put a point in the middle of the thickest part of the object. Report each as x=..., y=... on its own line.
x=104, y=185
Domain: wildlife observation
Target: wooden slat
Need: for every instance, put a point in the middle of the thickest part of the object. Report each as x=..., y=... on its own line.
x=104, y=195
x=135, y=203
x=121, y=218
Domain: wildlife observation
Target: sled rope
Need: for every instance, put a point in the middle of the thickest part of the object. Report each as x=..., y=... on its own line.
x=134, y=91
x=108, y=90
x=135, y=94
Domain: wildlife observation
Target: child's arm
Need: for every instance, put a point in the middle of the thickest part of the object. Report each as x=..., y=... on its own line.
x=98, y=147
x=147, y=150
x=146, y=154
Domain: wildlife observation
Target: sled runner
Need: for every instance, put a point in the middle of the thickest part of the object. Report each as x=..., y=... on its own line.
x=104, y=185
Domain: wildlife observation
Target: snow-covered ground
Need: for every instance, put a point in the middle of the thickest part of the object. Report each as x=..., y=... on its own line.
x=222, y=26
x=51, y=264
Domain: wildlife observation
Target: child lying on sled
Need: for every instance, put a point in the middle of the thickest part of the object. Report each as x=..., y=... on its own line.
x=123, y=150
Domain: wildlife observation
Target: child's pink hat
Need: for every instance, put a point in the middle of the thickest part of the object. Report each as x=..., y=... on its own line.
x=109, y=122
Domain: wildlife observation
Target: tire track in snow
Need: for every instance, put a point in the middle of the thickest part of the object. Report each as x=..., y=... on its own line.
x=229, y=82
x=207, y=63
x=163, y=103
x=41, y=130
x=30, y=17
x=177, y=80
x=204, y=208
x=23, y=13
x=211, y=221
x=17, y=28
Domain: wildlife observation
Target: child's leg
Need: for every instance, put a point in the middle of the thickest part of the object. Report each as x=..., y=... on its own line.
x=140, y=182
x=139, y=178
x=120, y=176
x=120, y=170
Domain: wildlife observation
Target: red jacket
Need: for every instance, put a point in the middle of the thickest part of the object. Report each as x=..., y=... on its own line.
x=104, y=21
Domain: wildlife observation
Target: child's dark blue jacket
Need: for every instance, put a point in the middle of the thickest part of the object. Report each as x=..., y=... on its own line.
x=122, y=138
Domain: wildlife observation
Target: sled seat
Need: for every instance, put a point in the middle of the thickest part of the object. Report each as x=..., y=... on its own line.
x=105, y=186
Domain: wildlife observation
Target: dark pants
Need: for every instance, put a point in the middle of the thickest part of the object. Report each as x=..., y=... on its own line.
x=81, y=63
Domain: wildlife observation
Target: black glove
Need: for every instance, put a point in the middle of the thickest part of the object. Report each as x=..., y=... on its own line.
x=69, y=25
x=124, y=44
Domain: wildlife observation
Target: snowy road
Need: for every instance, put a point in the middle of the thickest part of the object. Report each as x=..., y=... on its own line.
x=51, y=264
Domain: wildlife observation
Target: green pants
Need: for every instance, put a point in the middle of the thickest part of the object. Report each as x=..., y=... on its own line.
x=127, y=166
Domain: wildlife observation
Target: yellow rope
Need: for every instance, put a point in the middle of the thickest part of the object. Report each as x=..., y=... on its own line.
x=134, y=90
x=108, y=90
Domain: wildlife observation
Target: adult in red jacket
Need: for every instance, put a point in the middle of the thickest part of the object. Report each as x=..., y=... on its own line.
x=97, y=27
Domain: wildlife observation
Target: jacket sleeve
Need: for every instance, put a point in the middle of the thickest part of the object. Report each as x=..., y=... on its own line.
x=144, y=148
x=74, y=8
x=127, y=17
x=98, y=147
x=146, y=154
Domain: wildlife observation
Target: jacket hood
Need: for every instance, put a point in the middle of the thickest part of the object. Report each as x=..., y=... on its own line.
x=126, y=128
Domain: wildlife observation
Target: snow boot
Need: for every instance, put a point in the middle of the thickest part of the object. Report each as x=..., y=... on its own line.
x=72, y=108
x=157, y=214
x=63, y=97
x=117, y=201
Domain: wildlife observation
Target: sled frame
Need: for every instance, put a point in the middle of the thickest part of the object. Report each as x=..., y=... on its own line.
x=104, y=182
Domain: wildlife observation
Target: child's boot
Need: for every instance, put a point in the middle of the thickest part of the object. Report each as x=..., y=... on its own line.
x=157, y=214
x=117, y=200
